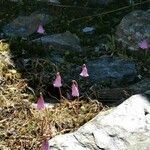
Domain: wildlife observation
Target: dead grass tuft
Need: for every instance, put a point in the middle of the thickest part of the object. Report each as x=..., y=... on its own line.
x=24, y=127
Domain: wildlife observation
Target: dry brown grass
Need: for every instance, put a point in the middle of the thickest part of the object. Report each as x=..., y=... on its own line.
x=24, y=127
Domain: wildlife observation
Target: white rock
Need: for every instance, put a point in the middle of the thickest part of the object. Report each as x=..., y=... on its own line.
x=130, y=115
x=126, y=127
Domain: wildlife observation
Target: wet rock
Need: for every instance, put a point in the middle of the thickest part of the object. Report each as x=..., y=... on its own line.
x=24, y=26
x=133, y=28
x=126, y=127
x=62, y=41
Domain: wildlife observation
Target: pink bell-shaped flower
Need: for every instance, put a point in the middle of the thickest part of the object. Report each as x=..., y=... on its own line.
x=144, y=44
x=74, y=88
x=40, y=102
x=45, y=145
x=40, y=30
x=57, y=81
x=84, y=72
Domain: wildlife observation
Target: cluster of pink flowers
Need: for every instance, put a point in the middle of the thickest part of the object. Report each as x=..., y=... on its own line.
x=84, y=73
x=58, y=84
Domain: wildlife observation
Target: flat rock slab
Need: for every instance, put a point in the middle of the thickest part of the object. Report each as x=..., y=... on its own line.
x=126, y=127
x=62, y=41
x=133, y=28
x=24, y=26
x=113, y=70
x=141, y=86
x=117, y=95
x=107, y=70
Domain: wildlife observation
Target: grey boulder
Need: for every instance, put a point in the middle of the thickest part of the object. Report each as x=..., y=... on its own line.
x=106, y=70
x=24, y=26
x=61, y=41
x=112, y=70
x=134, y=28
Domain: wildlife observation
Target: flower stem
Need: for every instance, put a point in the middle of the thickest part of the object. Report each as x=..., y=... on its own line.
x=60, y=93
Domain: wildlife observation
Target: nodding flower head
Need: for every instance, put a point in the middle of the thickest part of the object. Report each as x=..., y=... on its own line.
x=45, y=145
x=144, y=44
x=40, y=29
x=84, y=72
x=74, y=88
x=40, y=102
x=57, y=81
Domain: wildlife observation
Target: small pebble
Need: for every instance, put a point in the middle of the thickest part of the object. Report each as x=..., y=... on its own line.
x=89, y=30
